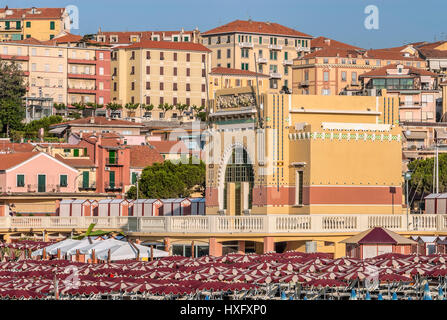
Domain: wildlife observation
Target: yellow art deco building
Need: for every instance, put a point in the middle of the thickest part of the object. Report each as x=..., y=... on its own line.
x=303, y=154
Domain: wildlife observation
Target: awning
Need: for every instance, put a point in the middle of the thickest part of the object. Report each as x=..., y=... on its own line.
x=434, y=64
x=441, y=133
x=57, y=130
x=416, y=135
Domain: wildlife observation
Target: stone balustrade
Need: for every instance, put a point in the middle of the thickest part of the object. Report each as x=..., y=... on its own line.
x=259, y=224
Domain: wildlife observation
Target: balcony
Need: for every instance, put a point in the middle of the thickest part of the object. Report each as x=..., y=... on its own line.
x=12, y=57
x=81, y=61
x=261, y=60
x=275, y=75
x=246, y=45
x=82, y=90
x=275, y=47
x=90, y=186
x=287, y=62
x=112, y=162
x=304, y=83
x=302, y=49
x=113, y=186
x=81, y=76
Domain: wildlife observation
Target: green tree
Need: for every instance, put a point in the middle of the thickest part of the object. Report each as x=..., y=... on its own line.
x=114, y=106
x=12, y=91
x=422, y=177
x=169, y=180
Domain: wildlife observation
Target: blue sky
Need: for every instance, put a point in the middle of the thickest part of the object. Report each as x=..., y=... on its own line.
x=400, y=21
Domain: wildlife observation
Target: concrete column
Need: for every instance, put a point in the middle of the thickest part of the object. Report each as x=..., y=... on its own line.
x=215, y=248
x=245, y=190
x=231, y=195
x=7, y=238
x=269, y=244
x=167, y=243
x=241, y=247
x=339, y=250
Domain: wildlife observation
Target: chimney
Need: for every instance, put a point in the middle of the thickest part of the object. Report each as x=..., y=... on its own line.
x=327, y=41
x=92, y=120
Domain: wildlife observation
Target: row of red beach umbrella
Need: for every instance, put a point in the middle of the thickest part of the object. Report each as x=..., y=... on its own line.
x=178, y=275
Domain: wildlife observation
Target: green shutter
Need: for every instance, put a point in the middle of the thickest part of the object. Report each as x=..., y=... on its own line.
x=63, y=180
x=112, y=156
x=28, y=24
x=260, y=40
x=7, y=25
x=18, y=25
x=134, y=177
x=85, y=152
x=85, y=179
x=52, y=25
x=41, y=183
x=76, y=152
x=112, y=179
x=285, y=56
x=20, y=180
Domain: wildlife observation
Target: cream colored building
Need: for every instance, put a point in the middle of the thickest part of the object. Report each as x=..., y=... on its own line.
x=263, y=47
x=158, y=73
x=61, y=74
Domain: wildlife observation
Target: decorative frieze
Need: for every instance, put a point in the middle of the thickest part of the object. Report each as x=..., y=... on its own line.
x=344, y=136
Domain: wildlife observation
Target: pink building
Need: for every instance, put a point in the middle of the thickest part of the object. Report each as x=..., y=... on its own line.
x=416, y=88
x=36, y=172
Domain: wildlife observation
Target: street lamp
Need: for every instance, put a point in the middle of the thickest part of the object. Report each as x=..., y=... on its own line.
x=407, y=177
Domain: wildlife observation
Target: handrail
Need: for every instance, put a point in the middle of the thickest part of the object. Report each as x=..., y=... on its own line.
x=262, y=224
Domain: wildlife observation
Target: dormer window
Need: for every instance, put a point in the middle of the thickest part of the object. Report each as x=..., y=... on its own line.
x=114, y=39
x=155, y=38
x=406, y=54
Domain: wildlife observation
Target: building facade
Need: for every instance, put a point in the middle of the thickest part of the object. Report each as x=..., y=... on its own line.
x=263, y=47
x=160, y=73
x=39, y=23
x=303, y=154
x=60, y=74
x=115, y=38
x=333, y=71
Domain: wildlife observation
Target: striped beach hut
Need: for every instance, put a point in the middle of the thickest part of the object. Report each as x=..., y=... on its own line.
x=197, y=206
x=377, y=241
x=147, y=207
x=176, y=207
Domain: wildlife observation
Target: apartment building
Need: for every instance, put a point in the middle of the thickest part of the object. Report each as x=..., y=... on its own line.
x=38, y=23
x=436, y=56
x=225, y=78
x=415, y=88
x=263, y=47
x=56, y=73
x=129, y=37
x=333, y=70
x=160, y=73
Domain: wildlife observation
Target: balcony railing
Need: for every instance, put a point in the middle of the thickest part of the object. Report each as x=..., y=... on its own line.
x=275, y=47
x=245, y=45
x=275, y=75
x=90, y=186
x=112, y=161
x=304, y=83
x=302, y=49
x=255, y=224
x=113, y=186
x=261, y=60
x=287, y=62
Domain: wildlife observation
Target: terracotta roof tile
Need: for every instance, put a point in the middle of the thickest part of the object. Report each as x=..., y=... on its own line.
x=98, y=121
x=383, y=72
x=323, y=42
x=143, y=156
x=231, y=71
x=8, y=147
x=256, y=27
x=26, y=13
x=76, y=162
x=12, y=159
x=170, y=146
x=124, y=37
x=168, y=45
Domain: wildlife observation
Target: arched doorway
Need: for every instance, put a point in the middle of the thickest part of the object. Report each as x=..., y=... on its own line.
x=238, y=182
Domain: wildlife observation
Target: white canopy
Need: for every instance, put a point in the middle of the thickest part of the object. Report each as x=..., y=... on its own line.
x=54, y=246
x=128, y=252
x=119, y=250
